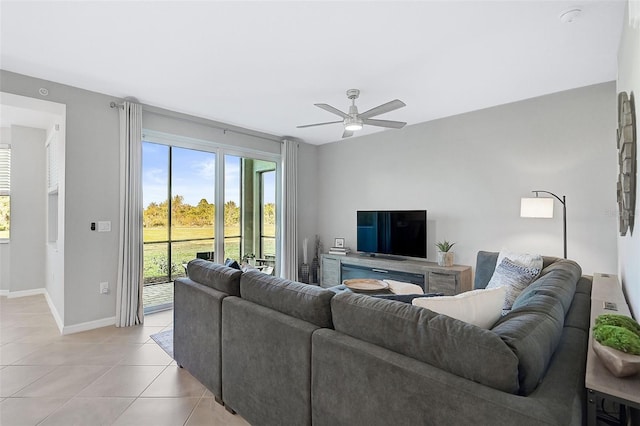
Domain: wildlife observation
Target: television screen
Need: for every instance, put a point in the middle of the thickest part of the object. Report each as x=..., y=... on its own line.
x=395, y=232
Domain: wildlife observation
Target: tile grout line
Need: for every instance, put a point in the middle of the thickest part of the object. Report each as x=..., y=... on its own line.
x=109, y=361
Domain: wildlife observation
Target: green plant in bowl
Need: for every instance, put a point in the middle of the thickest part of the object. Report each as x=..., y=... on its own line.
x=618, y=338
x=619, y=321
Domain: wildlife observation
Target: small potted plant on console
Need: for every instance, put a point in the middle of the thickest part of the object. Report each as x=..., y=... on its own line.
x=445, y=256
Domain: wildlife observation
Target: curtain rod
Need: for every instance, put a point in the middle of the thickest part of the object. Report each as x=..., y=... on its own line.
x=204, y=121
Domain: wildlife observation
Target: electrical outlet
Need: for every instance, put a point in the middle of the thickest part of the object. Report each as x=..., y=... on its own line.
x=104, y=226
x=104, y=288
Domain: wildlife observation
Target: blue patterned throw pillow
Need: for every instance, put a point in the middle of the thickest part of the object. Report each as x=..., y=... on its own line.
x=515, y=277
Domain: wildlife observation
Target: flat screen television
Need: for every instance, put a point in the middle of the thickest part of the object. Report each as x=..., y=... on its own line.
x=392, y=232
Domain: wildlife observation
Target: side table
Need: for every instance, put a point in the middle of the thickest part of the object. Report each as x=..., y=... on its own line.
x=599, y=382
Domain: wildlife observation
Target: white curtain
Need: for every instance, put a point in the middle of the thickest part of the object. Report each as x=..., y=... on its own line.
x=634, y=13
x=129, y=310
x=289, y=249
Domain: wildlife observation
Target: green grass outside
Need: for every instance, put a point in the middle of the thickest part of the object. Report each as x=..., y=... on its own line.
x=156, y=267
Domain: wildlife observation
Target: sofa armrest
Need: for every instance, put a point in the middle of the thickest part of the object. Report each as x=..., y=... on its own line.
x=197, y=314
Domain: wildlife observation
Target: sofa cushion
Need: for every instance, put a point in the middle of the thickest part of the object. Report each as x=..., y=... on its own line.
x=584, y=285
x=485, y=266
x=514, y=277
x=579, y=315
x=533, y=332
x=447, y=343
x=534, y=327
x=306, y=302
x=481, y=308
x=219, y=277
x=557, y=280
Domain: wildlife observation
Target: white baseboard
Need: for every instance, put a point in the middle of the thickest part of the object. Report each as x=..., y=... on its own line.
x=54, y=312
x=69, y=329
x=25, y=293
x=90, y=325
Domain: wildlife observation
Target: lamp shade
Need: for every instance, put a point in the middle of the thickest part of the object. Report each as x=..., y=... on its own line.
x=536, y=207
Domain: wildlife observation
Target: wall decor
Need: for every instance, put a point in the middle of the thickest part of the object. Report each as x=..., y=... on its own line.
x=627, y=162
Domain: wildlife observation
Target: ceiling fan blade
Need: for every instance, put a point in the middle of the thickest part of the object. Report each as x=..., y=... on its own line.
x=318, y=124
x=332, y=110
x=381, y=109
x=347, y=133
x=385, y=123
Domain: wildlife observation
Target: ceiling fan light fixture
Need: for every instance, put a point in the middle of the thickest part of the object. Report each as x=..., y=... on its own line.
x=354, y=121
x=352, y=124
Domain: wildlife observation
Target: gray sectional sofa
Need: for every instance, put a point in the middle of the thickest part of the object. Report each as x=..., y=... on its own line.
x=287, y=353
x=197, y=320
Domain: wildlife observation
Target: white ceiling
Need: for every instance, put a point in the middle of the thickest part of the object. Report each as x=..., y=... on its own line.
x=262, y=65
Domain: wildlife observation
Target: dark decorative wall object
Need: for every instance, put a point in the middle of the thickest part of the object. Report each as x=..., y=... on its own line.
x=627, y=162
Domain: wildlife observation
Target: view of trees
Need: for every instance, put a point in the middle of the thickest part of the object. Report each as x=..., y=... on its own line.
x=203, y=214
x=4, y=216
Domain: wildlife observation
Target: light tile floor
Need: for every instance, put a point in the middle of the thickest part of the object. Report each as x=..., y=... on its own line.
x=106, y=376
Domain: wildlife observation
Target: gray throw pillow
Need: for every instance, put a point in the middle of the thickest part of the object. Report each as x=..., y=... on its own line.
x=515, y=277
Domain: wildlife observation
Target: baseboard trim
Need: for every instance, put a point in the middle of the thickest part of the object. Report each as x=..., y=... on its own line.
x=25, y=293
x=54, y=312
x=89, y=325
x=69, y=329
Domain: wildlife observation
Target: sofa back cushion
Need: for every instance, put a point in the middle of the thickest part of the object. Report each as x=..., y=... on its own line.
x=558, y=280
x=214, y=275
x=534, y=326
x=533, y=333
x=306, y=302
x=450, y=344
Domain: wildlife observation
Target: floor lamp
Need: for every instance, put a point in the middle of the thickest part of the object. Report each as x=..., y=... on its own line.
x=543, y=208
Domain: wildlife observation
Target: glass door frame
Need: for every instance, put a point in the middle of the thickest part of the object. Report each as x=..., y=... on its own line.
x=220, y=151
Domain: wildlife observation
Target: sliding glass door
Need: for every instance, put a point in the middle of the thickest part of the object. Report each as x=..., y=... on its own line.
x=250, y=211
x=178, y=216
x=181, y=188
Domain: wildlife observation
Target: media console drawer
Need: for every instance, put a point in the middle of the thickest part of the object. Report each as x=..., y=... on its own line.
x=428, y=275
x=442, y=282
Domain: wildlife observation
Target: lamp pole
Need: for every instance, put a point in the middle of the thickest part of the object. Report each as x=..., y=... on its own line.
x=563, y=201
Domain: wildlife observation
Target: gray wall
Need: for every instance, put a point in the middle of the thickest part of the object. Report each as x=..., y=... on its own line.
x=470, y=171
x=28, y=208
x=92, y=185
x=92, y=167
x=629, y=245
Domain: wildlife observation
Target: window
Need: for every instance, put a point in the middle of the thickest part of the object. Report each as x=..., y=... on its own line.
x=5, y=191
x=268, y=215
x=250, y=210
x=184, y=181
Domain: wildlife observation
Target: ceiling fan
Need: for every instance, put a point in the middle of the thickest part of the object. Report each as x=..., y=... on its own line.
x=354, y=121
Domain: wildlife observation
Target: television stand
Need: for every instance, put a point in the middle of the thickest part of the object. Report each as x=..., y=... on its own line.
x=335, y=268
x=383, y=256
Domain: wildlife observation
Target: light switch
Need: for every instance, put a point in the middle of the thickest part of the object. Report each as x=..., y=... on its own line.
x=104, y=226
